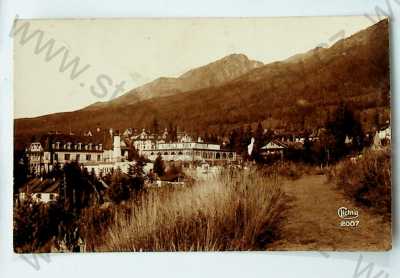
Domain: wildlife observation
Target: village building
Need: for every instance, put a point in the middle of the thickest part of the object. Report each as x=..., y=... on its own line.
x=385, y=134
x=146, y=140
x=151, y=145
x=274, y=148
x=189, y=151
x=59, y=149
x=376, y=143
x=102, y=151
x=298, y=137
x=40, y=190
x=289, y=137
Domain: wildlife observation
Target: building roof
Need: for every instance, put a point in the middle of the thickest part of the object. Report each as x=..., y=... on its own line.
x=274, y=144
x=103, y=138
x=38, y=185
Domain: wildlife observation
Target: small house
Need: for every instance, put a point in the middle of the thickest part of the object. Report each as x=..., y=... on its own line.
x=274, y=148
x=40, y=190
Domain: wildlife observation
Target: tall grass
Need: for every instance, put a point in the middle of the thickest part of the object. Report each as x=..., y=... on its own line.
x=241, y=212
x=367, y=180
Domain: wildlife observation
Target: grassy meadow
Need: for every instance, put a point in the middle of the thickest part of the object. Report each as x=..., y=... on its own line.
x=241, y=212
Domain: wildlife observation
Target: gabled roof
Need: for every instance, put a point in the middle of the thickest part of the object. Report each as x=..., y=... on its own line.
x=38, y=185
x=88, y=133
x=274, y=144
x=127, y=132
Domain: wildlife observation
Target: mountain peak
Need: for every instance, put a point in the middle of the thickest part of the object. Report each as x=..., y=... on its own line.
x=215, y=73
x=236, y=56
x=232, y=65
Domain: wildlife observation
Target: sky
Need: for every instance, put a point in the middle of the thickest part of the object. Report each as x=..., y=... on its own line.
x=117, y=55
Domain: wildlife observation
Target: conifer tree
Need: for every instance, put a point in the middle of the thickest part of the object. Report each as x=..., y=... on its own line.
x=159, y=166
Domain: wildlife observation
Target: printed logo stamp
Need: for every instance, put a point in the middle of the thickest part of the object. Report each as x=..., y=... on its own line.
x=349, y=217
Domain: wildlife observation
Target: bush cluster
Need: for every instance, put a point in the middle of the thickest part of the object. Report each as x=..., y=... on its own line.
x=367, y=180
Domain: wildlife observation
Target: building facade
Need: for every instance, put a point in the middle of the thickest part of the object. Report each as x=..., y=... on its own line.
x=189, y=151
x=60, y=149
x=184, y=148
x=274, y=148
x=105, y=151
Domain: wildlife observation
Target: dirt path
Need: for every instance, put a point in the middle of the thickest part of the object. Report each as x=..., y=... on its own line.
x=312, y=221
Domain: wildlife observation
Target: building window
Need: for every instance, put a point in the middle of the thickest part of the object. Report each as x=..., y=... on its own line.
x=88, y=157
x=39, y=196
x=56, y=156
x=66, y=156
x=98, y=157
x=51, y=197
x=78, y=156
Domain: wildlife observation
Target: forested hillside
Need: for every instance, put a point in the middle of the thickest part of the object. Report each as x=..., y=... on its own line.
x=301, y=92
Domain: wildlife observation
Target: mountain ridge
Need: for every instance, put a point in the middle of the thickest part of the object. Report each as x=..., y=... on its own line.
x=212, y=74
x=296, y=93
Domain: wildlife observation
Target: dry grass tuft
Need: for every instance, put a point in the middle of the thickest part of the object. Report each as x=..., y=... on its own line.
x=228, y=213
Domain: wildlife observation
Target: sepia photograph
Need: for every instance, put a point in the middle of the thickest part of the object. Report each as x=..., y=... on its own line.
x=202, y=134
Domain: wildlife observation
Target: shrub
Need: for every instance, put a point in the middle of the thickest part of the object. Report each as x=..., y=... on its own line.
x=367, y=180
x=159, y=166
x=35, y=225
x=119, y=188
x=174, y=173
x=123, y=187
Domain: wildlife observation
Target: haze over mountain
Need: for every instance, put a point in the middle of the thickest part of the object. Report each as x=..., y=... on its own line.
x=210, y=75
x=301, y=92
